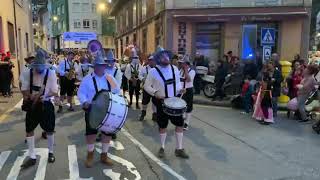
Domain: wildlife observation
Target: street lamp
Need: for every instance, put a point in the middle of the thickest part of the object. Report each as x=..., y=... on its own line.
x=55, y=18
x=102, y=6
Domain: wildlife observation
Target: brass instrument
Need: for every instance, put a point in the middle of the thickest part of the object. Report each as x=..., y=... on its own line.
x=72, y=72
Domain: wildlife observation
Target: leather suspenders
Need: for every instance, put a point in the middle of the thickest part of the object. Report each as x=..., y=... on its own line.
x=169, y=81
x=36, y=88
x=96, y=86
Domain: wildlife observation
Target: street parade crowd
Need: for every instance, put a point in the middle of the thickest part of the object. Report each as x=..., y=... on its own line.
x=166, y=82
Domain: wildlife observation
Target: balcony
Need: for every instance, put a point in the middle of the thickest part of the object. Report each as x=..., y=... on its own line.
x=179, y=4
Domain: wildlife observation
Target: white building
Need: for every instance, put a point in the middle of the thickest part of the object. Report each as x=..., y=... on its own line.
x=84, y=16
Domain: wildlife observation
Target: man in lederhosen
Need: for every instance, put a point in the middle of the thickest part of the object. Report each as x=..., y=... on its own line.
x=187, y=76
x=89, y=87
x=162, y=82
x=67, y=86
x=132, y=74
x=83, y=69
x=38, y=87
x=146, y=97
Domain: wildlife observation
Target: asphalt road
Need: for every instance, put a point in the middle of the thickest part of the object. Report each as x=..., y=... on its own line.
x=222, y=144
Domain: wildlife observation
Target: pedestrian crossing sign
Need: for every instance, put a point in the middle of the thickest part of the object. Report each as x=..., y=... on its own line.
x=268, y=36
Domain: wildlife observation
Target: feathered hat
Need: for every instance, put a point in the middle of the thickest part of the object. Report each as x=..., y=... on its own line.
x=159, y=52
x=40, y=59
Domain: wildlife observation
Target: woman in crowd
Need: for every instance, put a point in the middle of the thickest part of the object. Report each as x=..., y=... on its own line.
x=220, y=76
x=306, y=86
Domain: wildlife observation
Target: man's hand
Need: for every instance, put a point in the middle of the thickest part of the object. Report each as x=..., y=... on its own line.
x=86, y=106
x=182, y=91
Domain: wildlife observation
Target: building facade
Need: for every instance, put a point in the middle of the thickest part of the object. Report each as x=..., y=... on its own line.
x=16, y=31
x=213, y=27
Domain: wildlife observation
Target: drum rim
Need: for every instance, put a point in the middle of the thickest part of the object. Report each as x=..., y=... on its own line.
x=124, y=116
x=94, y=98
x=108, y=112
x=185, y=103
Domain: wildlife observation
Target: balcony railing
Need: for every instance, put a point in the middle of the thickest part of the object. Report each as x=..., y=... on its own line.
x=238, y=3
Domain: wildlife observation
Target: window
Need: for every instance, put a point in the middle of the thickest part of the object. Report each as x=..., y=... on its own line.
x=94, y=24
x=94, y=8
x=27, y=41
x=62, y=25
x=62, y=9
x=144, y=40
x=127, y=18
x=86, y=23
x=144, y=9
x=12, y=47
x=59, y=26
x=85, y=7
x=76, y=7
x=58, y=10
x=76, y=24
x=134, y=15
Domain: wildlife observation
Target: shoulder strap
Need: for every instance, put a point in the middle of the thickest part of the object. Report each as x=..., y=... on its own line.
x=147, y=70
x=95, y=83
x=174, y=82
x=65, y=65
x=45, y=81
x=115, y=73
x=82, y=71
x=31, y=80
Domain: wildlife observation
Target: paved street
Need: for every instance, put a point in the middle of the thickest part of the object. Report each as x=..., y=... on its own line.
x=222, y=144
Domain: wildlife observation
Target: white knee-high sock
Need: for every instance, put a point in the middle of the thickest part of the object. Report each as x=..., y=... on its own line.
x=163, y=137
x=90, y=147
x=188, y=118
x=50, y=143
x=30, y=141
x=105, y=147
x=179, y=137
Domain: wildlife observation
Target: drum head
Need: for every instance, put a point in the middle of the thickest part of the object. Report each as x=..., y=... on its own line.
x=175, y=103
x=99, y=108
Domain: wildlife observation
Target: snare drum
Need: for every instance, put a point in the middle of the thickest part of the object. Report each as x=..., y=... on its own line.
x=108, y=112
x=174, y=106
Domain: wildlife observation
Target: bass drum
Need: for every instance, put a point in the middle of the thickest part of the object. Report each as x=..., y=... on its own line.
x=108, y=112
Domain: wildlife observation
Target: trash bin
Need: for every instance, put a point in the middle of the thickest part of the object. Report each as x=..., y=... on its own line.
x=286, y=69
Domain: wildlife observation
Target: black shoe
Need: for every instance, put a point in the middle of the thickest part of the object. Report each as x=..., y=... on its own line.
x=143, y=114
x=28, y=163
x=306, y=120
x=185, y=127
x=98, y=139
x=60, y=109
x=161, y=153
x=265, y=123
x=181, y=153
x=51, y=158
x=44, y=135
x=114, y=136
x=154, y=116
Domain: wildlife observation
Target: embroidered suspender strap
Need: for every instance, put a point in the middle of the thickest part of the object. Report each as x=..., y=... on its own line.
x=31, y=80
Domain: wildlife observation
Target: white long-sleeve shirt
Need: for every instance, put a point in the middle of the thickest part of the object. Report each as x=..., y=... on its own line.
x=144, y=72
x=87, y=90
x=82, y=70
x=51, y=86
x=155, y=85
x=129, y=70
x=64, y=66
x=117, y=76
x=192, y=74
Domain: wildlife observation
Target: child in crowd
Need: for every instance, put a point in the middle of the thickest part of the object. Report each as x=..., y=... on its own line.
x=246, y=95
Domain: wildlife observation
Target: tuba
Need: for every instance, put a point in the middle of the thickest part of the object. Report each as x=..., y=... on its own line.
x=94, y=46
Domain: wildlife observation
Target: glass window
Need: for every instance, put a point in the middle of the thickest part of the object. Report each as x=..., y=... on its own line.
x=134, y=14
x=59, y=26
x=76, y=24
x=94, y=7
x=62, y=9
x=144, y=9
x=12, y=47
x=127, y=18
x=58, y=10
x=94, y=24
x=86, y=23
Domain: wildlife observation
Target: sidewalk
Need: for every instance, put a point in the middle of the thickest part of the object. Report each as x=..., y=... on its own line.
x=203, y=100
x=7, y=103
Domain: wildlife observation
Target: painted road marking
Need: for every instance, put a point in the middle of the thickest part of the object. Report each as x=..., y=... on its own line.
x=41, y=170
x=73, y=164
x=3, y=158
x=111, y=174
x=115, y=144
x=151, y=156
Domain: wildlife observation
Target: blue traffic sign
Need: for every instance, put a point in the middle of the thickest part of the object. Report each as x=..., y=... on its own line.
x=268, y=36
x=79, y=36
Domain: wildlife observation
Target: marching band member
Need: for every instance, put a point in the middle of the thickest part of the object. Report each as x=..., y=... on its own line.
x=67, y=84
x=91, y=85
x=187, y=76
x=132, y=74
x=83, y=68
x=112, y=69
x=38, y=87
x=162, y=82
x=145, y=96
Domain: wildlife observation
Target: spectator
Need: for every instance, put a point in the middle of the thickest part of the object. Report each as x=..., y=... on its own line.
x=199, y=61
x=276, y=79
x=250, y=69
x=276, y=61
x=294, y=78
x=246, y=95
x=306, y=86
x=220, y=76
x=236, y=77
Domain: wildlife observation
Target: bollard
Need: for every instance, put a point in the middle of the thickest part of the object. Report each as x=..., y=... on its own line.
x=286, y=69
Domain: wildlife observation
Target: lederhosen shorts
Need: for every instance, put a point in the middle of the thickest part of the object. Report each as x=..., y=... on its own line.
x=43, y=114
x=124, y=83
x=146, y=97
x=67, y=86
x=188, y=97
x=163, y=118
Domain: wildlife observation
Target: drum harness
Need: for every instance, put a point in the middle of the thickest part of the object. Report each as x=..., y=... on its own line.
x=169, y=81
x=37, y=88
x=96, y=86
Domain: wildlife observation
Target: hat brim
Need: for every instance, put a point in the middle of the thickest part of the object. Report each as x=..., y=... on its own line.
x=30, y=57
x=160, y=53
x=39, y=65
